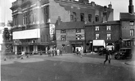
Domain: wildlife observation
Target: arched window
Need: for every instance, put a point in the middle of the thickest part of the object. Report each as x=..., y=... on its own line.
x=97, y=18
x=89, y=17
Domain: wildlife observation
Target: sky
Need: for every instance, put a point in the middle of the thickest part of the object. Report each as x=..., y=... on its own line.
x=118, y=6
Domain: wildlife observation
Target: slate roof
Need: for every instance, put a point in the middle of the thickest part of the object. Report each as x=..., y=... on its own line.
x=70, y=25
x=127, y=16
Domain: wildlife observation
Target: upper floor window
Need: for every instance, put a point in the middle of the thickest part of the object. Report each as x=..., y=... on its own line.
x=82, y=17
x=108, y=36
x=79, y=37
x=97, y=28
x=97, y=36
x=71, y=17
x=131, y=32
x=78, y=30
x=131, y=23
x=97, y=18
x=89, y=17
x=108, y=28
x=63, y=31
x=74, y=14
x=76, y=0
x=63, y=37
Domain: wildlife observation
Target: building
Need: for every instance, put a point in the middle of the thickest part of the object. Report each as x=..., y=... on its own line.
x=110, y=32
x=127, y=21
x=70, y=36
x=34, y=21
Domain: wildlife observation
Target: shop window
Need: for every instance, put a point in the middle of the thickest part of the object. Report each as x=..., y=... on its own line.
x=63, y=37
x=96, y=28
x=108, y=28
x=131, y=32
x=63, y=31
x=108, y=36
x=97, y=36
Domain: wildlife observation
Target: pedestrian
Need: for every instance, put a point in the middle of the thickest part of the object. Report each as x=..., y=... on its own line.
x=107, y=55
x=77, y=51
x=81, y=51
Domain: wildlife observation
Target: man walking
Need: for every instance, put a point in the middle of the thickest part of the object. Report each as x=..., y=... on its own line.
x=107, y=56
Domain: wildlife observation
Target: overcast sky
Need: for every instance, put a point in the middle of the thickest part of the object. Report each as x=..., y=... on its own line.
x=118, y=6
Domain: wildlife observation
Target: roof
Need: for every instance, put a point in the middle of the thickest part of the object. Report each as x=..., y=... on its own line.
x=127, y=16
x=70, y=25
x=106, y=23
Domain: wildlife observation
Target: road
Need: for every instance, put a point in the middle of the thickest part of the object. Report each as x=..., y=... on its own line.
x=65, y=68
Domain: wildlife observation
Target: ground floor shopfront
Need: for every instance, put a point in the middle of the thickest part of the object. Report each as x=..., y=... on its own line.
x=32, y=48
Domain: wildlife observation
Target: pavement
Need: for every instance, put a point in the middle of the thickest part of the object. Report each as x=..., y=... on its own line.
x=65, y=57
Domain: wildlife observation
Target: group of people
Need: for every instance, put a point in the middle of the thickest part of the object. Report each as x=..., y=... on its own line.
x=54, y=52
x=106, y=51
x=79, y=51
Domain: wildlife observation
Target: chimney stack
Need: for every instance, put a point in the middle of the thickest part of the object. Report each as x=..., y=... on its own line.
x=131, y=7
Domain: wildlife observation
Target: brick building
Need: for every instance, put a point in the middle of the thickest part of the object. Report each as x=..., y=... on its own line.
x=127, y=21
x=110, y=32
x=34, y=21
x=70, y=35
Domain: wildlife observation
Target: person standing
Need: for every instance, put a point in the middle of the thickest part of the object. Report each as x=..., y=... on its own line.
x=107, y=56
x=81, y=51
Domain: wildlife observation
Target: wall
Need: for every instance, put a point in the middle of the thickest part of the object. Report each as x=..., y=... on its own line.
x=58, y=11
x=126, y=29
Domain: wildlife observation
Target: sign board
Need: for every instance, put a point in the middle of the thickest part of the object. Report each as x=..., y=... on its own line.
x=98, y=43
x=27, y=34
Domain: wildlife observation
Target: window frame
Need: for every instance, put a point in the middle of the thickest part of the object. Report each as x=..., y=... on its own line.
x=63, y=37
x=96, y=28
x=109, y=36
x=78, y=30
x=108, y=28
x=97, y=36
x=63, y=31
x=97, y=18
x=82, y=17
x=90, y=17
x=131, y=32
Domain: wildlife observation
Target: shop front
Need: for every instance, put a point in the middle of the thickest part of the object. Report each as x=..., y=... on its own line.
x=76, y=45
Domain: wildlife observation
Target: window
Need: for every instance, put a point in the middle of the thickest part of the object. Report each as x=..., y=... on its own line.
x=97, y=18
x=63, y=31
x=79, y=37
x=97, y=28
x=78, y=30
x=89, y=17
x=82, y=17
x=63, y=37
x=131, y=23
x=108, y=28
x=74, y=14
x=97, y=36
x=131, y=32
x=71, y=17
x=108, y=36
x=46, y=13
